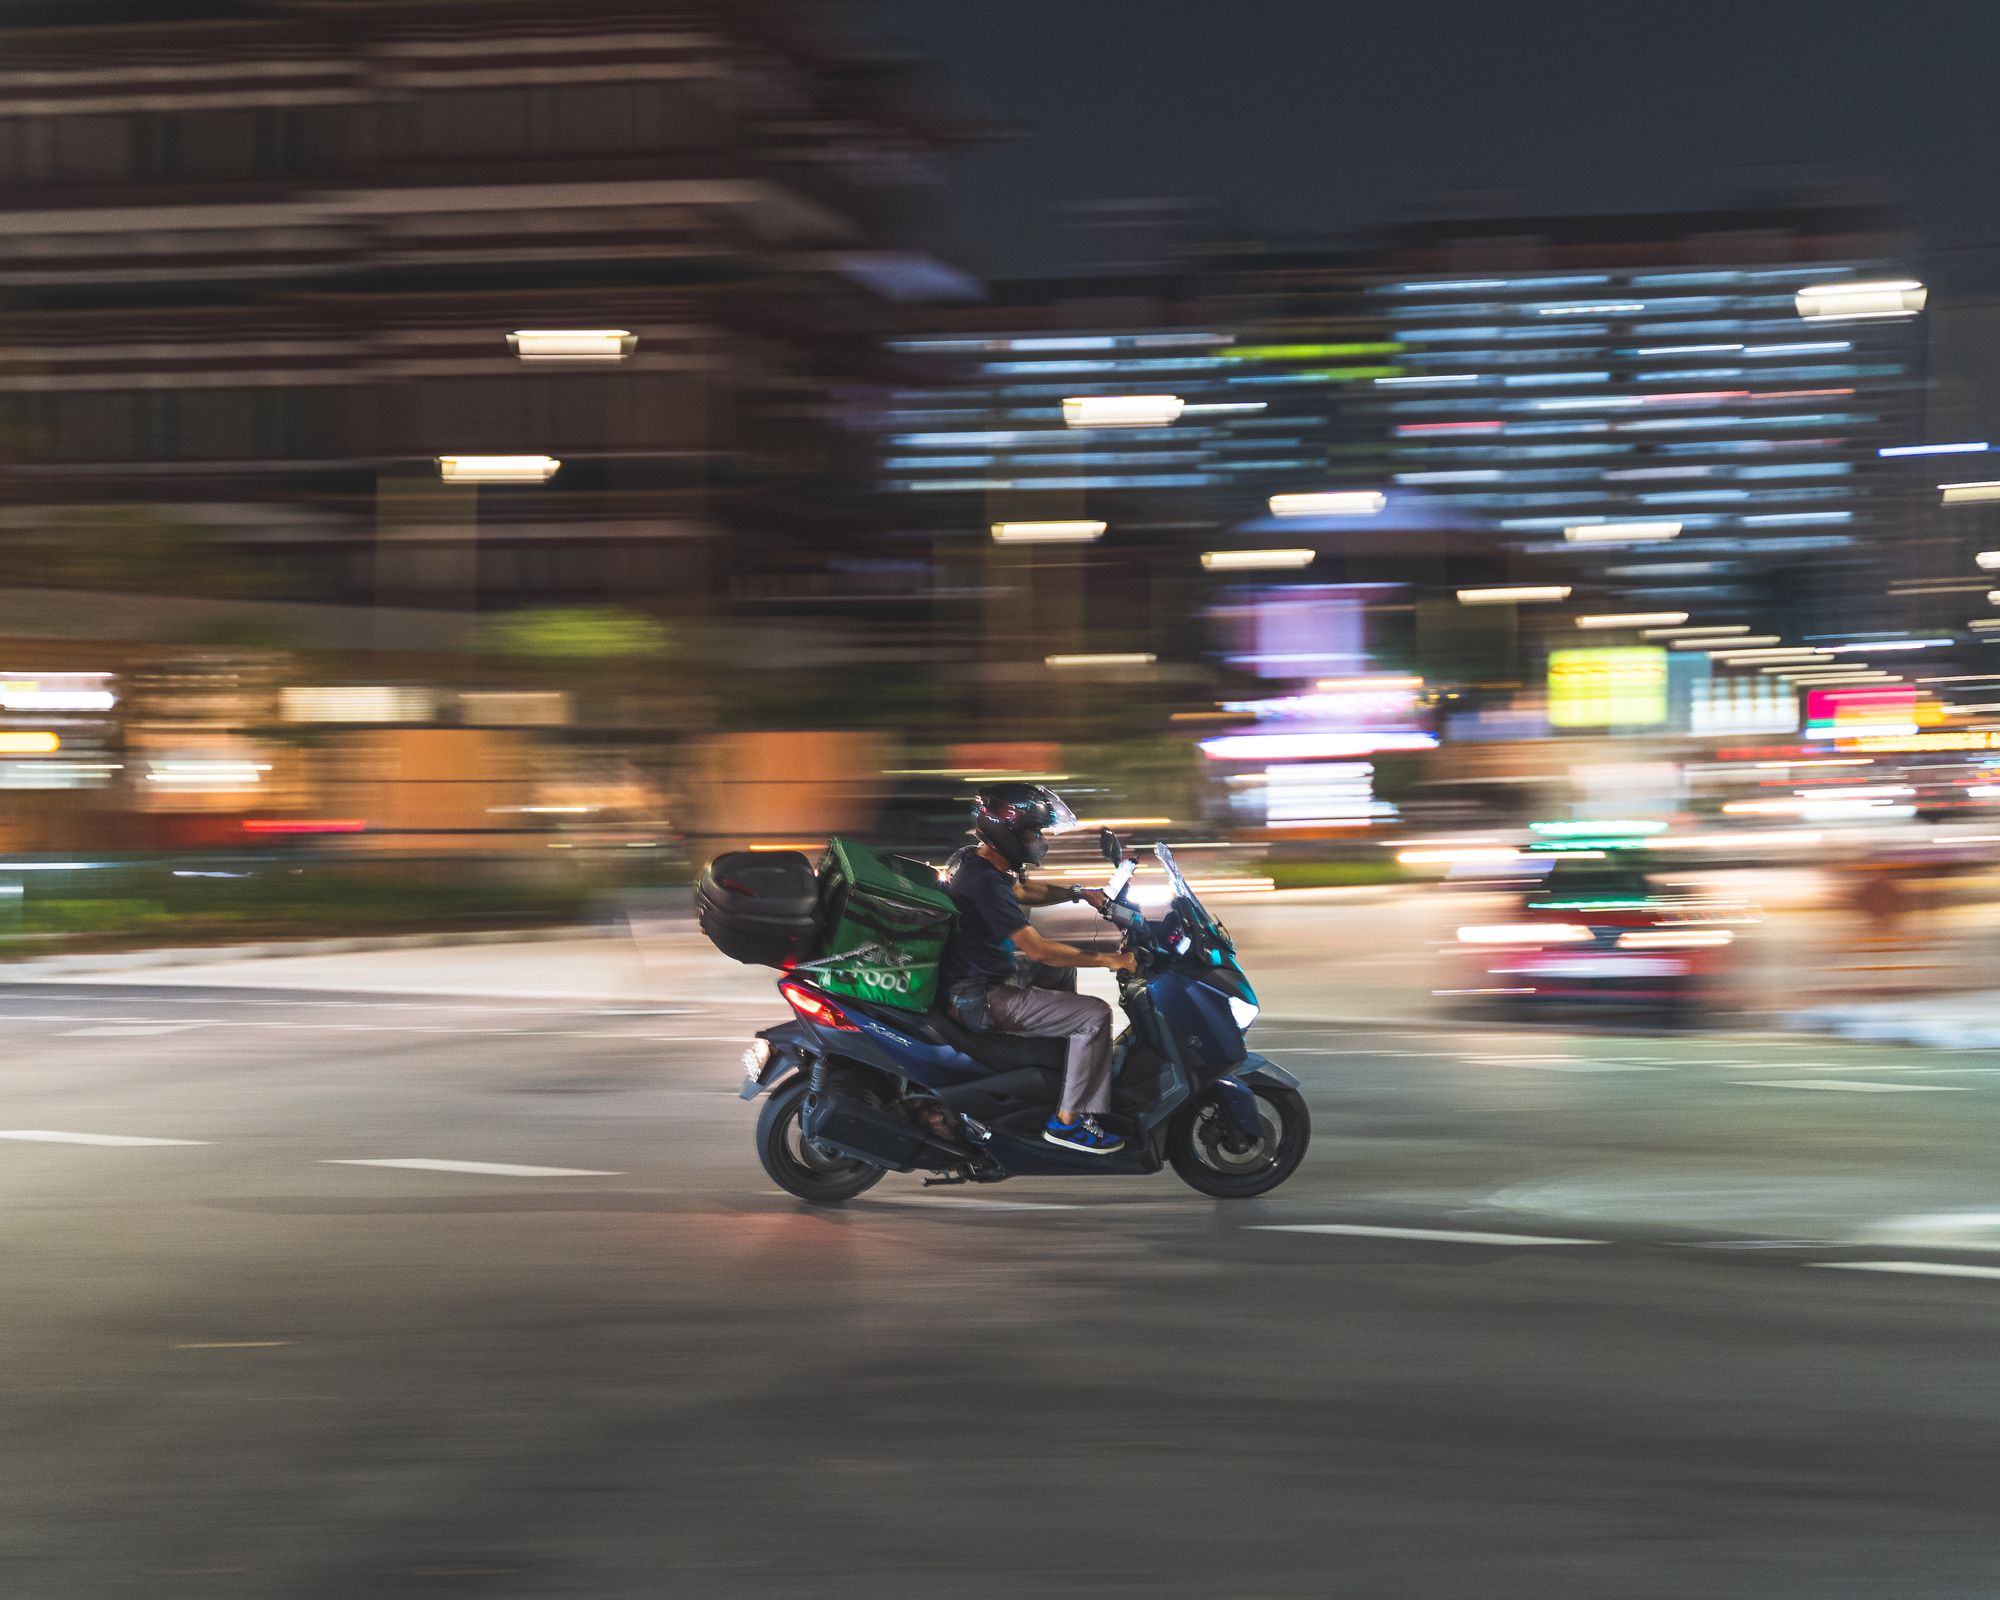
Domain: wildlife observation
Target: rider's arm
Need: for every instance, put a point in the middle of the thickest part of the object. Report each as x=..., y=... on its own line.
x=1042, y=894
x=1035, y=947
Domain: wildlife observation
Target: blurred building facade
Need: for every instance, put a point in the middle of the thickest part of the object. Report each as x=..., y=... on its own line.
x=258, y=265
x=1568, y=377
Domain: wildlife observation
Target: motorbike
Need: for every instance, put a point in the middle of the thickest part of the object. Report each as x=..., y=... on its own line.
x=858, y=1090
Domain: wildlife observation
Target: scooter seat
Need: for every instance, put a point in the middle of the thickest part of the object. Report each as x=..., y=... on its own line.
x=1007, y=1051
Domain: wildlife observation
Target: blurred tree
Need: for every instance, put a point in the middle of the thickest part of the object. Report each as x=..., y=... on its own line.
x=574, y=633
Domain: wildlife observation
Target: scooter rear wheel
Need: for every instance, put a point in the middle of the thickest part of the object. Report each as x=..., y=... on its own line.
x=1198, y=1145
x=795, y=1165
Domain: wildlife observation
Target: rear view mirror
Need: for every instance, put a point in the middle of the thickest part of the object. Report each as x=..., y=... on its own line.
x=1107, y=841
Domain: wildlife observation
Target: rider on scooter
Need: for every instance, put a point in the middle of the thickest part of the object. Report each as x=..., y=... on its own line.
x=989, y=886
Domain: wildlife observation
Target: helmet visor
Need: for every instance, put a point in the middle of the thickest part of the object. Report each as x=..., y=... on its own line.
x=1059, y=818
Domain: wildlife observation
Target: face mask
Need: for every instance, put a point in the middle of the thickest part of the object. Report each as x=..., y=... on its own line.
x=1036, y=848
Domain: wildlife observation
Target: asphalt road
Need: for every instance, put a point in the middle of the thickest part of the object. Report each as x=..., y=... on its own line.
x=241, y=1366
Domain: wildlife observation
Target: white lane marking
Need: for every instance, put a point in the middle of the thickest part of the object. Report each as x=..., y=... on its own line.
x=86, y=995
x=1558, y=1064
x=127, y=1030
x=235, y=1344
x=1854, y=1086
x=1440, y=1235
x=405, y=1027
x=955, y=1201
x=495, y=1169
x=1918, y=1269
x=46, y=1136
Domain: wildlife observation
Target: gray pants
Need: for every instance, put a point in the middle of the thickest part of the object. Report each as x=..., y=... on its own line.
x=1083, y=1018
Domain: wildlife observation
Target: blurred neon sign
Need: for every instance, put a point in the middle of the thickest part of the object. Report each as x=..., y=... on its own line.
x=1621, y=688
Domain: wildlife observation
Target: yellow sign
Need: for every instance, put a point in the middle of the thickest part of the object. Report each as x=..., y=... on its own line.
x=29, y=744
x=1912, y=743
x=1623, y=688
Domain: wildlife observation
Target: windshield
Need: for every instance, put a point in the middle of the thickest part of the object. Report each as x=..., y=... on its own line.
x=1196, y=910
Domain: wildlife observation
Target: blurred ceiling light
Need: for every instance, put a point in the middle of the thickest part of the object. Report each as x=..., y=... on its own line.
x=1460, y=856
x=1856, y=302
x=572, y=344
x=1866, y=645
x=355, y=703
x=497, y=469
x=1047, y=532
x=1633, y=619
x=1432, y=379
x=1698, y=633
x=1785, y=652
x=1983, y=623
x=1122, y=410
x=1933, y=449
x=1129, y=658
x=1674, y=938
x=1253, y=560
x=1620, y=532
x=1989, y=560
x=1603, y=308
x=1330, y=503
x=1526, y=933
x=1962, y=494
x=1523, y=595
x=1709, y=647
x=1310, y=746
x=35, y=697
x=1347, y=685
x=29, y=744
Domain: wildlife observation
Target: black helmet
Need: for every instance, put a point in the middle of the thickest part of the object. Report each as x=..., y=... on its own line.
x=1013, y=817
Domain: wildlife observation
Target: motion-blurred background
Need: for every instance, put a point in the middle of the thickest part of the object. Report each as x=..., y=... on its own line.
x=462, y=462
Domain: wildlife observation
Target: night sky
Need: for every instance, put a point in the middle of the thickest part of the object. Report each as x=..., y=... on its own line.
x=1303, y=117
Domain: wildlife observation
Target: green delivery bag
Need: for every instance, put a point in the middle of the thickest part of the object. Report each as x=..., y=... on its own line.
x=887, y=920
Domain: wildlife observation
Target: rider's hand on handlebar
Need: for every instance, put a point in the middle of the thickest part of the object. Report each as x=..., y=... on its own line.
x=1122, y=961
x=1096, y=899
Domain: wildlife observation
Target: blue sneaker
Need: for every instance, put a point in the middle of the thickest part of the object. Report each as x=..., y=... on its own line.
x=1082, y=1134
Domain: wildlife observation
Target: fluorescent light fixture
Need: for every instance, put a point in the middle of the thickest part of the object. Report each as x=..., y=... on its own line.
x=29, y=744
x=1523, y=595
x=1633, y=619
x=1122, y=410
x=1430, y=379
x=1989, y=560
x=1128, y=658
x=1047, y=532
x=1856, y=302
x=1933, y=449
x=1330, y=503
x=1885, y=644
x=1255, y=560
x=1620, y=532
x=1748, y=641
x=497, y=469
x=1962, y=494
x=572, y=344
x=1703, y=632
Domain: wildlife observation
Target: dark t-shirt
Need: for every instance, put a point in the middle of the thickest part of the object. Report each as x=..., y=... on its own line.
x=980, y=947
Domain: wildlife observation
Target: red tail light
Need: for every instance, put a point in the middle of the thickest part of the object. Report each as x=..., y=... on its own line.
x=816, y=1010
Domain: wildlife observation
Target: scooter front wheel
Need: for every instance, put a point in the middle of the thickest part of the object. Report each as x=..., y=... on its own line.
x=795, y=1164
x=1211, y=1155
